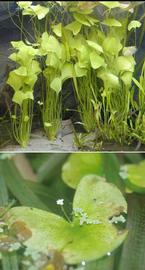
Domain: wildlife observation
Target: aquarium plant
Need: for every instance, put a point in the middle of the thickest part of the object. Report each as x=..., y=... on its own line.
x=22, y=80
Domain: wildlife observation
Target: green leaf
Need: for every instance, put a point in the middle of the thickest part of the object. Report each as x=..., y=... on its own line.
x=50, y=44
x=19, y=97
x=57, y=29
x=80, y=72
x=77, y=242
x=110, y=80
x=3, y=190
x=138, y=84
x=125, y=63
x=110, y=4
x=67, y=71
x=126, y=77
x=38, y=10
x=107, y=198
x=17, y=186
x=75, y=27
x=111, y=161
x=96, y=60
x=112, y=45
x=82, y=19
x=95, y=46
x=52, y=60
x=133, y=175
x=21, y=71
x=56, y=84
x=133, y=25
x=24, y=4
x=15, y=81
x=112, y=22
x=88, y=164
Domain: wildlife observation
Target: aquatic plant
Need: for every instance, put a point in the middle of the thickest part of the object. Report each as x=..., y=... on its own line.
x=22, y=80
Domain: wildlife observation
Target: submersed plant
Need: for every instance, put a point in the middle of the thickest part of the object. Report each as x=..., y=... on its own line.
x=101, y=69
x=138, y=129
x=47, y=35
x=22, y=80
x=51, y=48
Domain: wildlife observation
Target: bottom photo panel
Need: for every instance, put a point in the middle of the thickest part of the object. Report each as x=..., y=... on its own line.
x=77, y=211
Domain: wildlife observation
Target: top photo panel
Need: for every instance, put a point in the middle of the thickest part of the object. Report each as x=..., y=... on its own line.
x=72, y=76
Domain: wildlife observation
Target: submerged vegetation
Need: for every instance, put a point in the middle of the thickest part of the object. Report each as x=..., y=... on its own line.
x=92, y=44
x=47, y=223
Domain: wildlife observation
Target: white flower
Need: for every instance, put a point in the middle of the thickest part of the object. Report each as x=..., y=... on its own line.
x=60, y=202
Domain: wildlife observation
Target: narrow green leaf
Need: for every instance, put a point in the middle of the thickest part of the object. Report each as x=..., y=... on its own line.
x=51, y=166
x=16, y=184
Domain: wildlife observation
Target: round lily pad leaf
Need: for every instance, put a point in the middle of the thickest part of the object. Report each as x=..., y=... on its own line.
x=134, y=176
x=106, y=199
x=79, y=165
x=76, y=241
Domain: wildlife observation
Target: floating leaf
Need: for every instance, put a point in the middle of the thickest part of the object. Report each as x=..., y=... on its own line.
x=133, y=175
x=77, y=242
x=79, y=165
x=133, y=25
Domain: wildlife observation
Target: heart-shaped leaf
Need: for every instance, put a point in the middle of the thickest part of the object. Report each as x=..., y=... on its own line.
x=126, y=77
x=57, y=29
x=67, y=71
x=112, y=45
x=89, y=236
x=133, y=175
x=19, y=97
x=75, y=27
x=56, y=84
x=109, y=79
x=125, y=63
x=95, y=46
x=96, y=60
